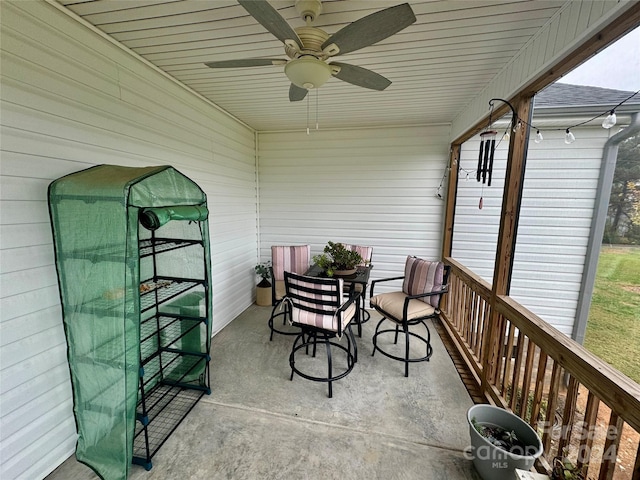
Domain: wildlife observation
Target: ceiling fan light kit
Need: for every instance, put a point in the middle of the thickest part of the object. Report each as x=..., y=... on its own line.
x=307, y=72
x=309, y=47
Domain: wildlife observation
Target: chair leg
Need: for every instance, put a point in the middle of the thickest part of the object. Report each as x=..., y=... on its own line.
x=310, y=338
x=286, y=314
x=315, y=344
x=273, y=311
x=375, y=336
x=360, y=314
x=406, y=350
x=404, y=358
x=292, y=358
x=329, y=365
x=353, y=341
x=428, y=355
x=429, y=347
x=366, y=316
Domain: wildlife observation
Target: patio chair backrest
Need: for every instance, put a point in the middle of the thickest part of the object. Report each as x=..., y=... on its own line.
x=365, y=252
x=294, y=259
x=316, y=302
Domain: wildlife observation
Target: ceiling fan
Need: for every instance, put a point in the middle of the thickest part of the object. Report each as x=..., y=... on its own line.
x=309, y=47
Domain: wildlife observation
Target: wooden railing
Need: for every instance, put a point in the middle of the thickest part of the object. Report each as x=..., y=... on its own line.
x=579, y=404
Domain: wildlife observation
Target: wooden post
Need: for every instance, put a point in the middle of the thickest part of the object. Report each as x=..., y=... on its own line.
x=452, y=187
x=511, y=198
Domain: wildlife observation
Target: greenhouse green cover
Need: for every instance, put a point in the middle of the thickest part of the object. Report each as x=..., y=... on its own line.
x=95, y=223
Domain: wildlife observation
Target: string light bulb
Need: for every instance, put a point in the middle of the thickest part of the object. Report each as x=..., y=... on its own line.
x=539, y=137
x=569, y=138
x=517, y=126
x=610, y=121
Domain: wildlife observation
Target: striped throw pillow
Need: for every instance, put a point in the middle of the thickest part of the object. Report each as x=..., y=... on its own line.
x=422, y=276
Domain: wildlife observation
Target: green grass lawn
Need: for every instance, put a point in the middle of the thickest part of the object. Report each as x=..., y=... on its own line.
x=613, y=329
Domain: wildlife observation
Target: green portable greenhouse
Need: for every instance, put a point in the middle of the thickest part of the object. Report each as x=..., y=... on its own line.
x=133, y=263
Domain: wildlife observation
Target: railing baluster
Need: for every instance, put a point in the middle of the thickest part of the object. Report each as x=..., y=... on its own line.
x=499, y=380
x=526, y=381
x=517, y=370
x=636, y=467
x=473, y=314
x=552, y=405
x=568, y=416
x=611, y=445
x=508, y=360
x=485, y=322
x=588, y=432
x=539, y=390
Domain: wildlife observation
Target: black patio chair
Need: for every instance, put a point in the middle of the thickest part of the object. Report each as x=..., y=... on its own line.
x=424, y=284
x=318, y=307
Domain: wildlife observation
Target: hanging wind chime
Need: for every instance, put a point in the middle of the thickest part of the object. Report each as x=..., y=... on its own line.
x=485, y=158
x=484, y=172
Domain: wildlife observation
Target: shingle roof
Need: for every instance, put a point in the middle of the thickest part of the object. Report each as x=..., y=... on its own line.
x=562, y=94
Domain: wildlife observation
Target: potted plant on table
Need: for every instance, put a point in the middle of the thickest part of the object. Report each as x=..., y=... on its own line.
x=337, y=260
x=263, y=289
x=501, y=442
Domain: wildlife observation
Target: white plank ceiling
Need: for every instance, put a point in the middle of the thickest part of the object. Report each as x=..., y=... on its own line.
x=437, y=65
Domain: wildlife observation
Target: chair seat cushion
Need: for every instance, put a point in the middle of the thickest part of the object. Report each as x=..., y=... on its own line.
x=393, y=304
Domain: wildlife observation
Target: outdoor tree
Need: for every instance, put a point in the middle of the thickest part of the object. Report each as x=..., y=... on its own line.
x=623, y=222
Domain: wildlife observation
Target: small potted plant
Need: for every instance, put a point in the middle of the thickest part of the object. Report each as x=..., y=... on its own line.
x=564, y=469
x=337, y=260
x=263, y=289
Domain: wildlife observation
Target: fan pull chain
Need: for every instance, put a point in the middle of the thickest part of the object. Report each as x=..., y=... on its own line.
x=307, y=114
x=317, y=106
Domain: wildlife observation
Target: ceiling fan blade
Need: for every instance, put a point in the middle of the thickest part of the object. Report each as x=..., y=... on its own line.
x=369, y=30
x=270, y=19
x=246, y=62
x=361, y=76
x=296, y=93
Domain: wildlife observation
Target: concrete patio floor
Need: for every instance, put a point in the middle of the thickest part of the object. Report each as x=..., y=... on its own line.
x=257, y=424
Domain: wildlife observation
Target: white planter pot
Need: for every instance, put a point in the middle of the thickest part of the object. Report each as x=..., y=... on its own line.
x=492, y=462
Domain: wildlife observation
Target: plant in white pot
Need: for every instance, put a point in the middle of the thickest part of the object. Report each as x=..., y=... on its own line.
x=263, y=289
x=501, y=442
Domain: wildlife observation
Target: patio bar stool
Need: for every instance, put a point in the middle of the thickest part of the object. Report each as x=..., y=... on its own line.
x=424, y=285
x=317, y=306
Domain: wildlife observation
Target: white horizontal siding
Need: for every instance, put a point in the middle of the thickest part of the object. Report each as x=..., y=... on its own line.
x=572, y=24
x=554, y=225
x=372, y=187
x=70, y=100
